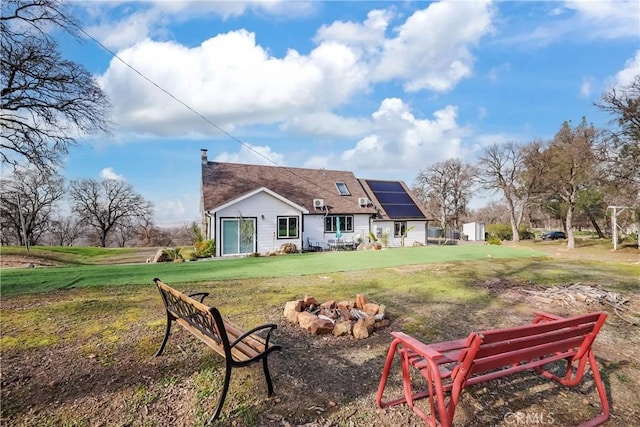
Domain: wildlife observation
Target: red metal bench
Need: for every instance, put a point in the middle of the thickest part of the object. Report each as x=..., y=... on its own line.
x=451, y=366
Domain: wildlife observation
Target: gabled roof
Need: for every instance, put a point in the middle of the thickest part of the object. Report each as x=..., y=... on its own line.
x=261, y=190
x=394, y=200
x=225, y=182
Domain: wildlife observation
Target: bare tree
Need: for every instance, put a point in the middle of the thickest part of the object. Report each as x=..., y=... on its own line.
x=571, y=167
x=126, y=231
x=619, y=147
x=448, y=186
x=28, y=198
x=47, y=102
x=65, y=230
x=510, y=169
x=108, y=204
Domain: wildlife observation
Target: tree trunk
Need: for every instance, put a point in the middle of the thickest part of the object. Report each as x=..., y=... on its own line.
x=595, y=225
x=571, y=243
x=514, y=228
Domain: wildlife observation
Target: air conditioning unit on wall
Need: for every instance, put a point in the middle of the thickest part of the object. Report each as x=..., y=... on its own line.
x=318, y=203
x=363, y=201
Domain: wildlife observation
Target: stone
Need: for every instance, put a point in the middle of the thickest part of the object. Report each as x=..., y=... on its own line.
x=161, y=256
x=370, y=321
x=379, y=324
x=342, y=327
x=345, y=305
x=329, y=305
x=382, y=311
x=321, y=327
x=309, y=301
x=361, y=300
x=370, y=308
x=306, y=319
x=360, y=330
x=346, y=314
x=292, y=309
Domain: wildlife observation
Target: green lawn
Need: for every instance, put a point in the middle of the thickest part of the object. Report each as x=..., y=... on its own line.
x=21, y=281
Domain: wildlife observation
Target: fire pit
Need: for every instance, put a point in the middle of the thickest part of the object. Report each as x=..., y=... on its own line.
x=358, y=318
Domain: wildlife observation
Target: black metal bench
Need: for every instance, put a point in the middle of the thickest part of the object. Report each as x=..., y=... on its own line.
x=205, y=323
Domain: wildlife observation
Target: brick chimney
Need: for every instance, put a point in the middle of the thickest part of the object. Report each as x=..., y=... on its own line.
x=203, y=153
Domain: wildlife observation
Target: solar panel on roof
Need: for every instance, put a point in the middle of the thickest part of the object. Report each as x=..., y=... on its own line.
x=395, y=201
x=386, y=197
x=385, y=186
x=403, y=211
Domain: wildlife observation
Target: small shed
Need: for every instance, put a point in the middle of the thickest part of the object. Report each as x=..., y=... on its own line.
x=474, y=231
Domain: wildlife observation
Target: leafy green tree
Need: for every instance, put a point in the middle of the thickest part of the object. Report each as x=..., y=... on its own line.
x=572, y=163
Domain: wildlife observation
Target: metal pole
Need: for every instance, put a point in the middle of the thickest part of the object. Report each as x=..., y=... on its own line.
x=614, y=229
x=22, y=224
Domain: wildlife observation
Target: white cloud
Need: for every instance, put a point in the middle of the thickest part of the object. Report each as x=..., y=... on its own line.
x=432, y=48
x=584, y=21
x=367, y=37
x=631, y=69
x=609, y=19
x=233, y=81
x=328, y=124
x=586, y=87
x=228, y=79
x=403, y=141
x=253, y=154
x=109, y=173
x=497, y=71
x=119, y=25
x=172, y=213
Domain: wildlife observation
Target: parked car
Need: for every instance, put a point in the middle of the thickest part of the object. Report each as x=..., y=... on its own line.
x=553, y=235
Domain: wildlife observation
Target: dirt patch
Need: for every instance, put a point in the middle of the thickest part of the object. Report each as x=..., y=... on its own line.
x=101, y=371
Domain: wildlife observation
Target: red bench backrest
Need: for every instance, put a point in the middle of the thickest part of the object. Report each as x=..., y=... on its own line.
x=504, y=348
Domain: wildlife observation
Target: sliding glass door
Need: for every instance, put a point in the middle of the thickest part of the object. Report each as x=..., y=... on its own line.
x=238, y=236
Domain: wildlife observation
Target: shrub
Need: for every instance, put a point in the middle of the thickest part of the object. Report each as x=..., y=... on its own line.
x=289, y=248
x=525, y=234
x=504, y=233
x=499, y=231
x=492, y=240
x=174, y=255
x=205, y=249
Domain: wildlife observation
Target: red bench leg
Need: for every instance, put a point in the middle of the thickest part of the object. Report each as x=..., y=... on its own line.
x=602, y=393
x=434, y=387
x=572, y=379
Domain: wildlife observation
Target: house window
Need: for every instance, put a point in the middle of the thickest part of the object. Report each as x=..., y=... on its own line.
x=287, y=227
x=399, y=228
x=345, y=221
x=342, y=189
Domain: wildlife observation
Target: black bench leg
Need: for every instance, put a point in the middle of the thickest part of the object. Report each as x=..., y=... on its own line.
x=265, y=367
x=225, y=388
x=166, y=335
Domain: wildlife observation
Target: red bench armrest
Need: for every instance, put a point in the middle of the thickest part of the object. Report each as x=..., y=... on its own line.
x=417, y=346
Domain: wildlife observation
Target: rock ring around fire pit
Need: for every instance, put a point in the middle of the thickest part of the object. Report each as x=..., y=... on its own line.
x=358, y=318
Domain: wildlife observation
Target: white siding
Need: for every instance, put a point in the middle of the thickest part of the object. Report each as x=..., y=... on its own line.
x=265, y=209
x=415, y=233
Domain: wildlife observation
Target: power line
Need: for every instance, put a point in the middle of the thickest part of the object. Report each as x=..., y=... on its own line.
x=193, y=110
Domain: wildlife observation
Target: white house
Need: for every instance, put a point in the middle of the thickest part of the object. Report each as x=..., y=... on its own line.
x=256, y=209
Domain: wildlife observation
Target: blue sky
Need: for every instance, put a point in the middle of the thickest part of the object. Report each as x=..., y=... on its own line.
x=383, y=89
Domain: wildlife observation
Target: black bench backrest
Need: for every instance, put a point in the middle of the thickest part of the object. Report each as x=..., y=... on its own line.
x=496, y=349
x=206, y=320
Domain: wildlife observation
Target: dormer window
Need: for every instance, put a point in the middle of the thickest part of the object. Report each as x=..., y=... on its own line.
x=342, y=189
